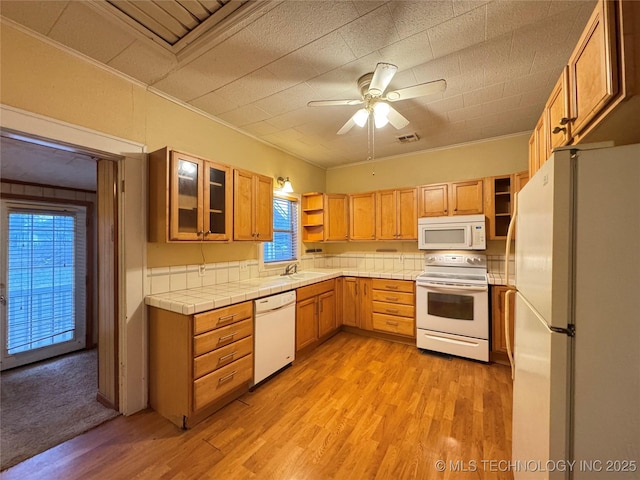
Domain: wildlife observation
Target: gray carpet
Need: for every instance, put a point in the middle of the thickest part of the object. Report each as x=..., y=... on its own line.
x=45, y=404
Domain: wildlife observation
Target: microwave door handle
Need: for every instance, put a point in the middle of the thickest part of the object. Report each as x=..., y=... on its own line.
x=469, y=236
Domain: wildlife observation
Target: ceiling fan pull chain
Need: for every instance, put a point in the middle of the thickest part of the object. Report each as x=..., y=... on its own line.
x=373, y=141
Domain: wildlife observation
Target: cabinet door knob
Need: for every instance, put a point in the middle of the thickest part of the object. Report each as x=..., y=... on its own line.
x=559, y=129
x=565, y=120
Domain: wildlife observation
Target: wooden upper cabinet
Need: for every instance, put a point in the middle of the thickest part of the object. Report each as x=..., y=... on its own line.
x=190, y=198
x=557, y=114
x=434, y=200
x=253, y=206
x=465, y=198
x=499, y=202
x=336, y=217
x=533, y=153
x=312, y=217
x=446, y=199
x=396, y=214
x=362, y=216
x=593, y=70
x=264, y=208
x=520, y=180
x=407, y=213
x=538, y=146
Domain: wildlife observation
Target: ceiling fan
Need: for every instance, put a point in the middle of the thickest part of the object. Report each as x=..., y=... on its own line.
x=372, y=87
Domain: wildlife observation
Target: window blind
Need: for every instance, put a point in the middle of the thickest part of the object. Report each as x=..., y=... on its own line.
x=42, y=283
x=284, y=246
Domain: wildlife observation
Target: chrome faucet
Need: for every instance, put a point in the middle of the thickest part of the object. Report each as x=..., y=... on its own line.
x=291, y=268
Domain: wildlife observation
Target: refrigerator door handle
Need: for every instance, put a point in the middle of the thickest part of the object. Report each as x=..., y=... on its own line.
x=507, y=330
x=507, y=252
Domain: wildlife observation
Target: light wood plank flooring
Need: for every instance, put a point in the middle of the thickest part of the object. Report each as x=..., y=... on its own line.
x=356, y=408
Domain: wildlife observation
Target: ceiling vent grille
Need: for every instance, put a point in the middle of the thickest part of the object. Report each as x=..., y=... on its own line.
x=408, y=138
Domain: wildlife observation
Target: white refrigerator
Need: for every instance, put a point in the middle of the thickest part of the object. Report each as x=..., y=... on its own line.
x=576, y=390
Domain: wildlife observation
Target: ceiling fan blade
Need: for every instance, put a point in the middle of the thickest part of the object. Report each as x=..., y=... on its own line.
x=382, y=76
x=347, y=126
x=419, y=90
x=333, y=103
x=396, y=119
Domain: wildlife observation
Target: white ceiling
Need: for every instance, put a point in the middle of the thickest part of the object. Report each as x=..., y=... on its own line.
x=500, y=60
x=33, y=163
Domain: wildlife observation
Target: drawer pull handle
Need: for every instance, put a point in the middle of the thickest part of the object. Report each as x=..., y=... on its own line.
x=391, y=310
x=226, y=318
x=227, y=357
x=227, y=337
x=391, y=287
x=389, y=322
x=392, y=299
x=227, y=377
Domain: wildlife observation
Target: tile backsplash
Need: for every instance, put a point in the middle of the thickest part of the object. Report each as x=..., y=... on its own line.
x=169, y=279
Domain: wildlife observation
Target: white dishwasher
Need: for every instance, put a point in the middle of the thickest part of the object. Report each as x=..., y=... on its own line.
x=275, y=334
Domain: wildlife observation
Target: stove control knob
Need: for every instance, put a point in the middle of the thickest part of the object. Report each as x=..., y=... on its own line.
x=470, y=260
x=431, y=259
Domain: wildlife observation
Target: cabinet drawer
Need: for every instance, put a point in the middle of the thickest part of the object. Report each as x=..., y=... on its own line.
x=219, y=337
x=392, y=285
x=394, y=297
x=222, y=356
x=303, y=293
x=220, y=317
x=394, y=309
x=213, y=386
x=392, y=324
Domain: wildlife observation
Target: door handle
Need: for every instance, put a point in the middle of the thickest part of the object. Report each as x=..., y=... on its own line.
x=3, y=300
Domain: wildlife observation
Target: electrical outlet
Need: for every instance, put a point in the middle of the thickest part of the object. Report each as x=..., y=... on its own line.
x=201, y=270
x=244, y=265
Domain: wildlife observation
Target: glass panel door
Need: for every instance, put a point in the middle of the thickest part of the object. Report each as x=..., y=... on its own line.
x=186, y=198
x=43, y=272
x=217, y=199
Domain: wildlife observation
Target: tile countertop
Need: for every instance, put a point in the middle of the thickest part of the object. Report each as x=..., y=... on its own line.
x=201, y=299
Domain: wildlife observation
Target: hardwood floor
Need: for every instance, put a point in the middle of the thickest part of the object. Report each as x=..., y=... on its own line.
x=356, y=407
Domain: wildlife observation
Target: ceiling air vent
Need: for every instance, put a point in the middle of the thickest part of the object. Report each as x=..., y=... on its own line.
x=408, y=138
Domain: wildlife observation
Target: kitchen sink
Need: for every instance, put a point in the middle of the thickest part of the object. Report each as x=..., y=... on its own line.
x=304, y=275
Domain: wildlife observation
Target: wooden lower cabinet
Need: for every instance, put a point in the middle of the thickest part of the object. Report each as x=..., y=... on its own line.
x=356, y=302
x=394, y=306
x=498, y=338
x=199, y=363
x=315, y=313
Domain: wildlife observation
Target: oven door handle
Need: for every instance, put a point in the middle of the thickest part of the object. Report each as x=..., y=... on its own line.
x=454, y=288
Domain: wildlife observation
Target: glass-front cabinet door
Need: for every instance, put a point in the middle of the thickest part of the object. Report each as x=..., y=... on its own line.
x=201, y=199
x=217, y=202
x=186, y=222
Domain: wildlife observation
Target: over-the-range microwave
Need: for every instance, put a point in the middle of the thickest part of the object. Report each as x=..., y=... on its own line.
x=463, y=232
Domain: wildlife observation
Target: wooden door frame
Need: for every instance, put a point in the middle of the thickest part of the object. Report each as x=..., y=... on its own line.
x=130, y=375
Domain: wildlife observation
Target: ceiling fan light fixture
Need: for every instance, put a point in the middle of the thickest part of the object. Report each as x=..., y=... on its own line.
x=361, y=117
x=380, y=114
